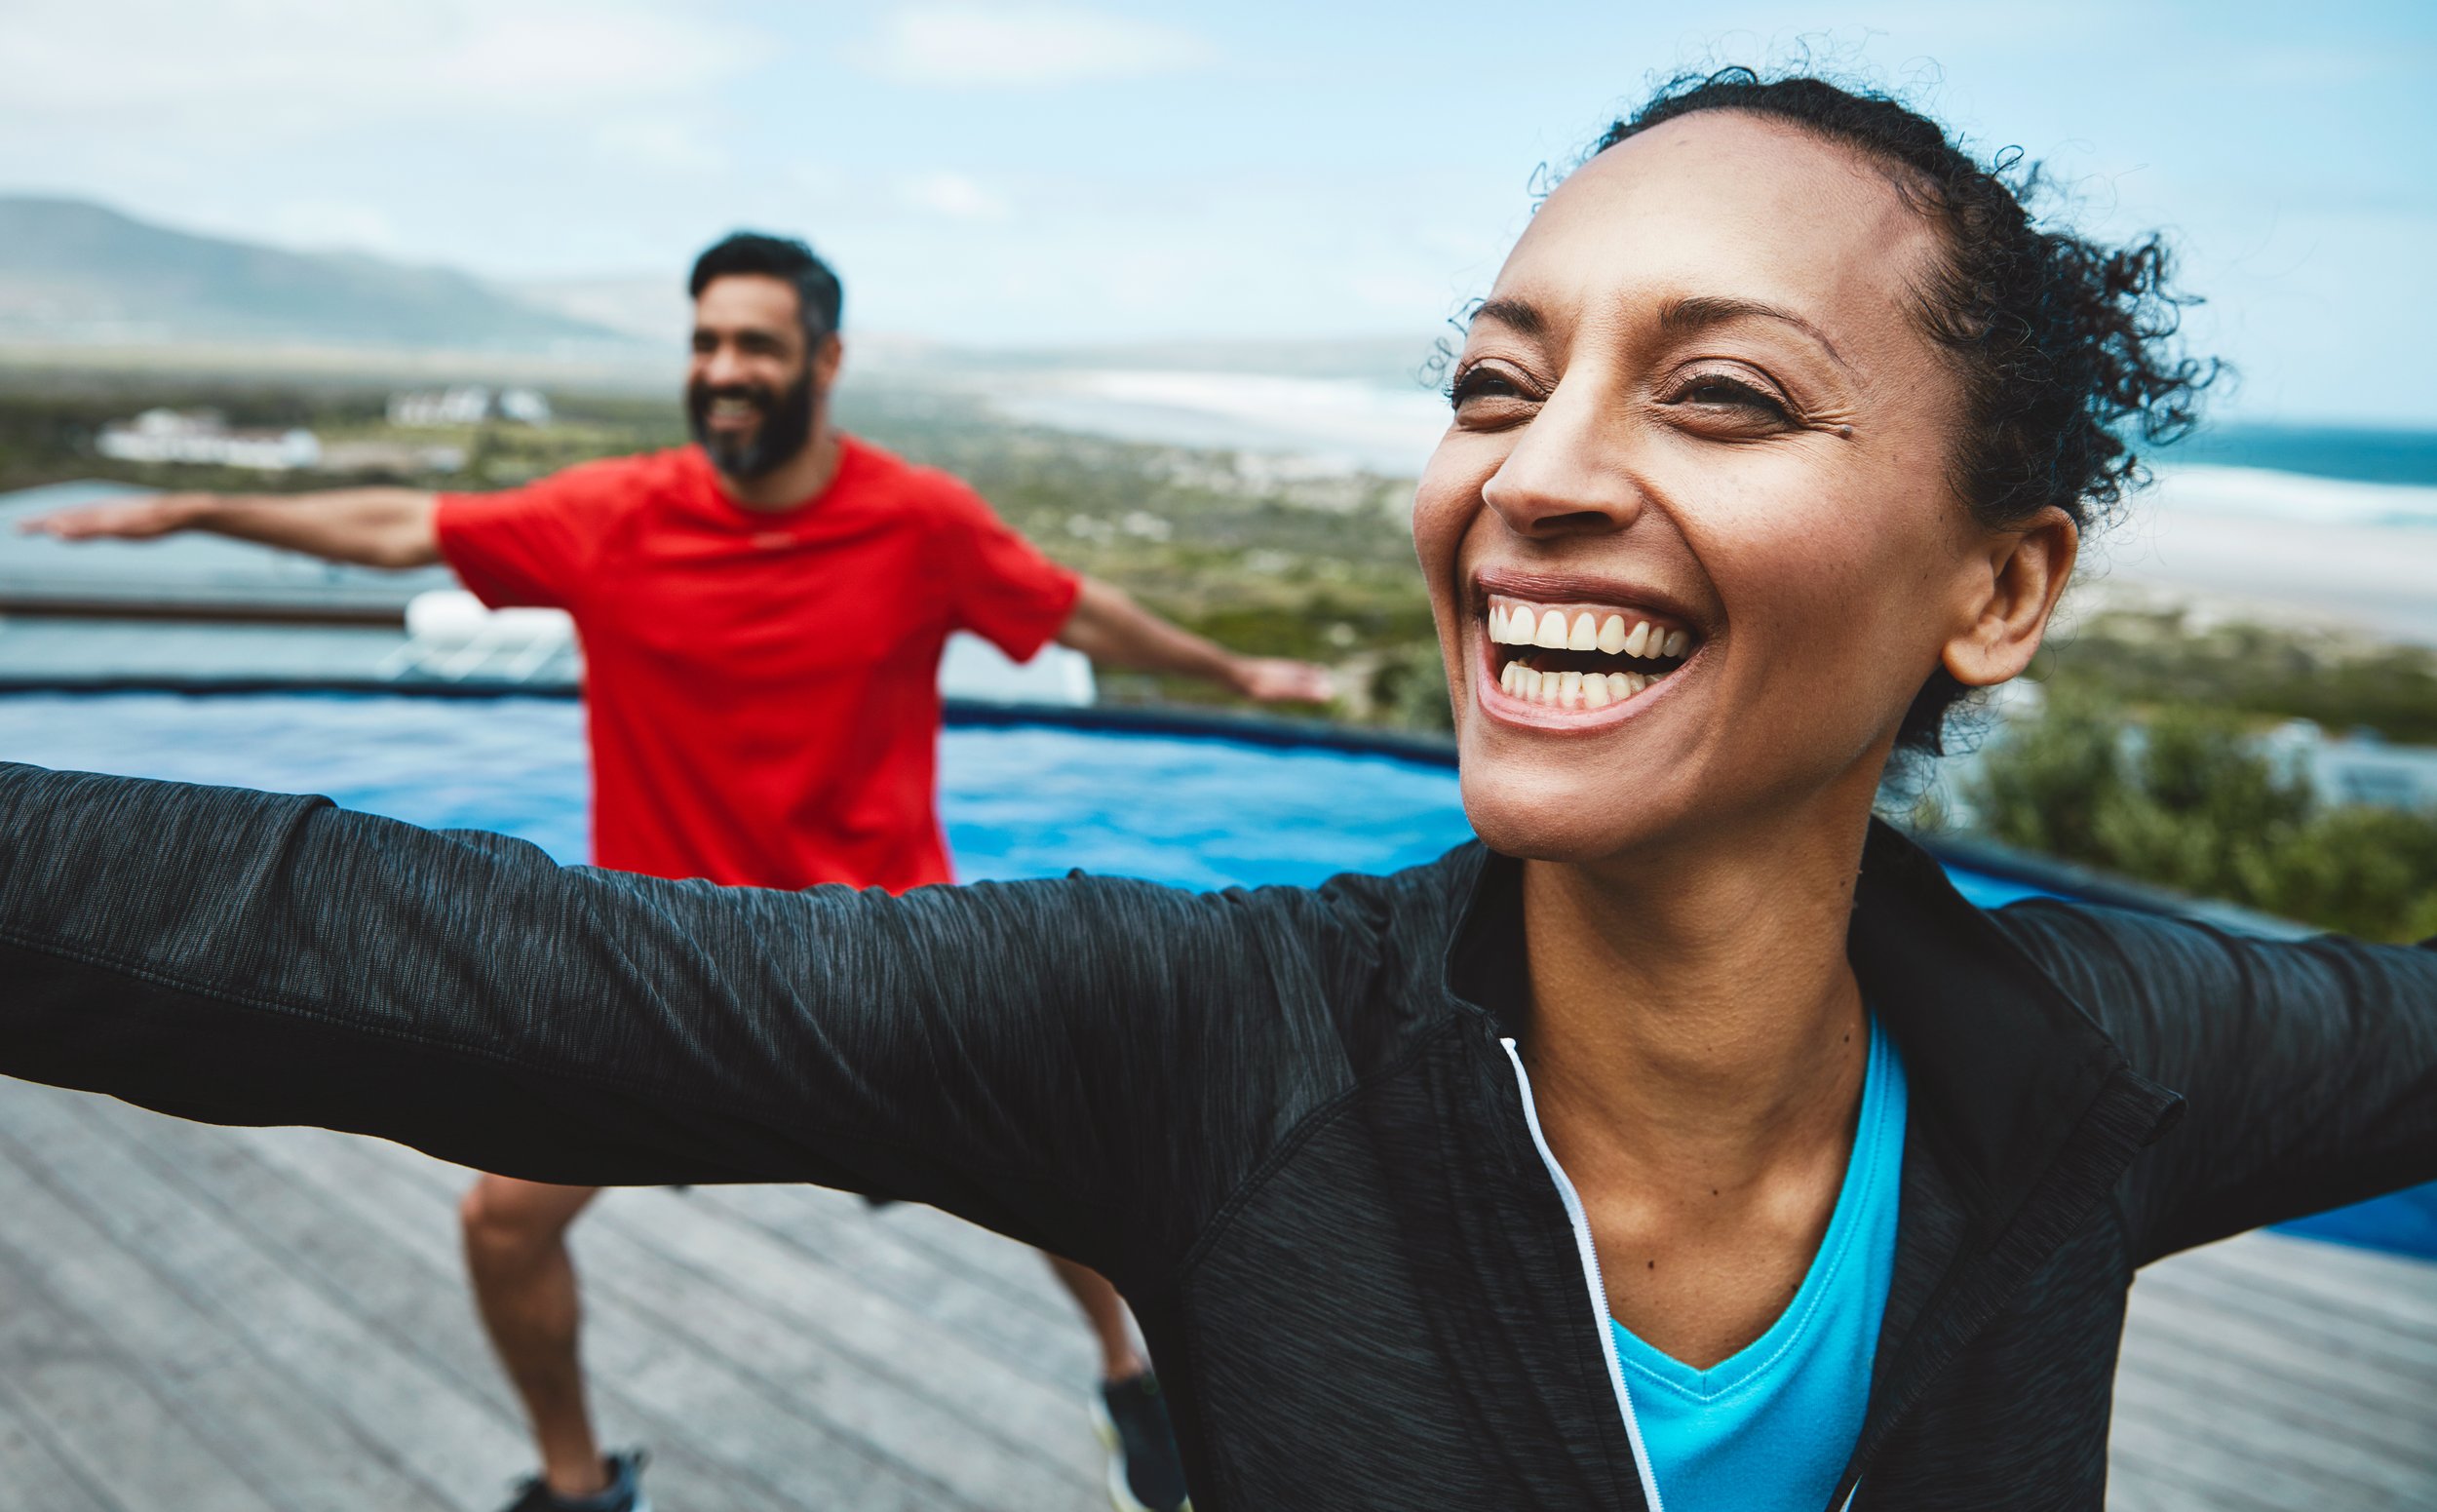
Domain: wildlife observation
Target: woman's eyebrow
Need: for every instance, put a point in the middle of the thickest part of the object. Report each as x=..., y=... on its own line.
x=1681, y=317
x=1521, y=318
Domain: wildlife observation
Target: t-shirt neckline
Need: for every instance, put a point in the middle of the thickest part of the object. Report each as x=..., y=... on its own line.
x=1862, y=1169
x=851, y=453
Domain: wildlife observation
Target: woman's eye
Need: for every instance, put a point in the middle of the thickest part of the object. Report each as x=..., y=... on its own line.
x=1476, y=383
x=1720, y=392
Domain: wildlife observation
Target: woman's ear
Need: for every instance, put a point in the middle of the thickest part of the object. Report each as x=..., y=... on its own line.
x=2028, y=568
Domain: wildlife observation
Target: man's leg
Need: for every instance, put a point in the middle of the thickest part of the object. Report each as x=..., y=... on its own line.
x=1144, y=1472
x=524, y=1286
x=1105, y=1312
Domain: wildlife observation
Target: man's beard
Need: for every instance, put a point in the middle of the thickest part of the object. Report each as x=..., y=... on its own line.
x=785, y=429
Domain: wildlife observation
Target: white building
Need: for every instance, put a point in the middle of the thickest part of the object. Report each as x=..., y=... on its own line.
x=202, y=436
x=468, y=403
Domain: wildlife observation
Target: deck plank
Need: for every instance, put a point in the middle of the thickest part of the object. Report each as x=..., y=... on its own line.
x=33, y=1471
x=103, y=1413
x=884, y=1348
x=2159, y=1360
x=673, y=1388
x=277, y=1318
x=2386, y=1294
x=716, y=1440
x=1032, y=1328
x=684, y=1243
x=2273, y=1372
x=2265, y=1450
x=180, y=1218
x=156, y=1306
x=2294, y=1331
x=2294, y=1348
x=910, y=1391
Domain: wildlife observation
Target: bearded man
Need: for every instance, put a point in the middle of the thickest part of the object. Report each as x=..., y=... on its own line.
x=762, y=615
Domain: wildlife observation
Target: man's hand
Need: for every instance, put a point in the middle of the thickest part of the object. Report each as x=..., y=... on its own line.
x=1278, y=680
x=121, y=520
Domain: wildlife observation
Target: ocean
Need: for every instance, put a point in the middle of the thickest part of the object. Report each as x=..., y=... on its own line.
x=2386, y=456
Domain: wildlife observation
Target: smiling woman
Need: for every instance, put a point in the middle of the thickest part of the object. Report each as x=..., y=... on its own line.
x=1688, y=1143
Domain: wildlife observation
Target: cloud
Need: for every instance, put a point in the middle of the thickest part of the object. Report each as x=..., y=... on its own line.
x=959, y=43
x=289, y=61
x=662, y=140
x=390, y=125
x=953, y=196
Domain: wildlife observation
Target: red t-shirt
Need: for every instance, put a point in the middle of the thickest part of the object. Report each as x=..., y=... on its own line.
x=762, y=688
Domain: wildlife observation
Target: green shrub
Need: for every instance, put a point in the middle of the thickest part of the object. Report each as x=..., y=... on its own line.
x=2185, y=800
x=2134, y=659
x=1409, y=689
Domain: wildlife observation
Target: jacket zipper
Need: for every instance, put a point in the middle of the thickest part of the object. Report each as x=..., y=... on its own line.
x=1590, y=1256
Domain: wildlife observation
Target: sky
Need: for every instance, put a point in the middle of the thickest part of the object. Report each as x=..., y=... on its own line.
x=1005, y=173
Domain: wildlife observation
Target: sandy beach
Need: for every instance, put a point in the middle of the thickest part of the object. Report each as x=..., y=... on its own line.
x=2244, y=543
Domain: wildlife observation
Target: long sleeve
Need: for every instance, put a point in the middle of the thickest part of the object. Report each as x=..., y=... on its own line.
x=2309, y=1067
x=1081, y=1064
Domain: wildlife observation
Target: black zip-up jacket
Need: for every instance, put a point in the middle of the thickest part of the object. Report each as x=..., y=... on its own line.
x=1283, y=1120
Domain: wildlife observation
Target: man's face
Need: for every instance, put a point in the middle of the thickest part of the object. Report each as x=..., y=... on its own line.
x=752, y=389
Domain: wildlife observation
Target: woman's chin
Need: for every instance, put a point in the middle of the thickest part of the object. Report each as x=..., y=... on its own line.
x=1553, y=822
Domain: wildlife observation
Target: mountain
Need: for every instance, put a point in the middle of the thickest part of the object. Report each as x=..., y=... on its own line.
x=650, y=309
x=1390, y=362
x=73, y=270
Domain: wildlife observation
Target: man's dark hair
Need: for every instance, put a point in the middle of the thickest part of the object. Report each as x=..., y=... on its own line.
x=818, y=300
x=2065, y=347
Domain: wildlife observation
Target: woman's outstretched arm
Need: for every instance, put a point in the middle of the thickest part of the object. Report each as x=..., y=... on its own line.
x=2309, y=1067
x=1027, y=1054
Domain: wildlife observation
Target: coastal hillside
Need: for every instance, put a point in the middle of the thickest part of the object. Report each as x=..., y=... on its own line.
x=73, y=270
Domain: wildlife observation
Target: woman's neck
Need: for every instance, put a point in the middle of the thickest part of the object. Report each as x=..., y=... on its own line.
x=1696, y=1010
x=1697, y=1053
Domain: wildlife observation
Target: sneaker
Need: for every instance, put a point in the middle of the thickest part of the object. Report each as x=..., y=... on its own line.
x=623, y=1494
x=1145, y=1474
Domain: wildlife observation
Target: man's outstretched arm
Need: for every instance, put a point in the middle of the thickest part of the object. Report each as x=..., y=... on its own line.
x=1112, y=629
x=373, y=528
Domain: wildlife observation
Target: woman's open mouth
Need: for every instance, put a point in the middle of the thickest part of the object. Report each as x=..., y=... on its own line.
x=1581, y=656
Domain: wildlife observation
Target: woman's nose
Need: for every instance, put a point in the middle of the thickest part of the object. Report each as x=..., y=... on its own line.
x=1569, y=472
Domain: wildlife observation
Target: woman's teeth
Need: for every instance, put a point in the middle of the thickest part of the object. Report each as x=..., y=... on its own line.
x=1572, y=632
x=1585, y=632
x=1574, y=689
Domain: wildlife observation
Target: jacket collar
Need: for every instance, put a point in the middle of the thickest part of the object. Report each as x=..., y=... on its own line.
x=2006, y=1070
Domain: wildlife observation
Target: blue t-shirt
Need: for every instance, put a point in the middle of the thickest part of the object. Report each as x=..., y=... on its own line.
x=1772, y=1425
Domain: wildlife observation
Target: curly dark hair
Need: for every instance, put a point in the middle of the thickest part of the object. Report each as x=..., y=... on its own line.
x=2066, y=348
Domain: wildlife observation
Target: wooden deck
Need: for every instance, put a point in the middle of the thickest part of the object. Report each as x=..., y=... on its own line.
x=218, y=1320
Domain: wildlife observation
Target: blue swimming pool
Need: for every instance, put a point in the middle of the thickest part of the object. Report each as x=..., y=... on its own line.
x=1018, y=799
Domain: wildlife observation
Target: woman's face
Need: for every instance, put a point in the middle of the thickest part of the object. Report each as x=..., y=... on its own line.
x=1689, y=538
